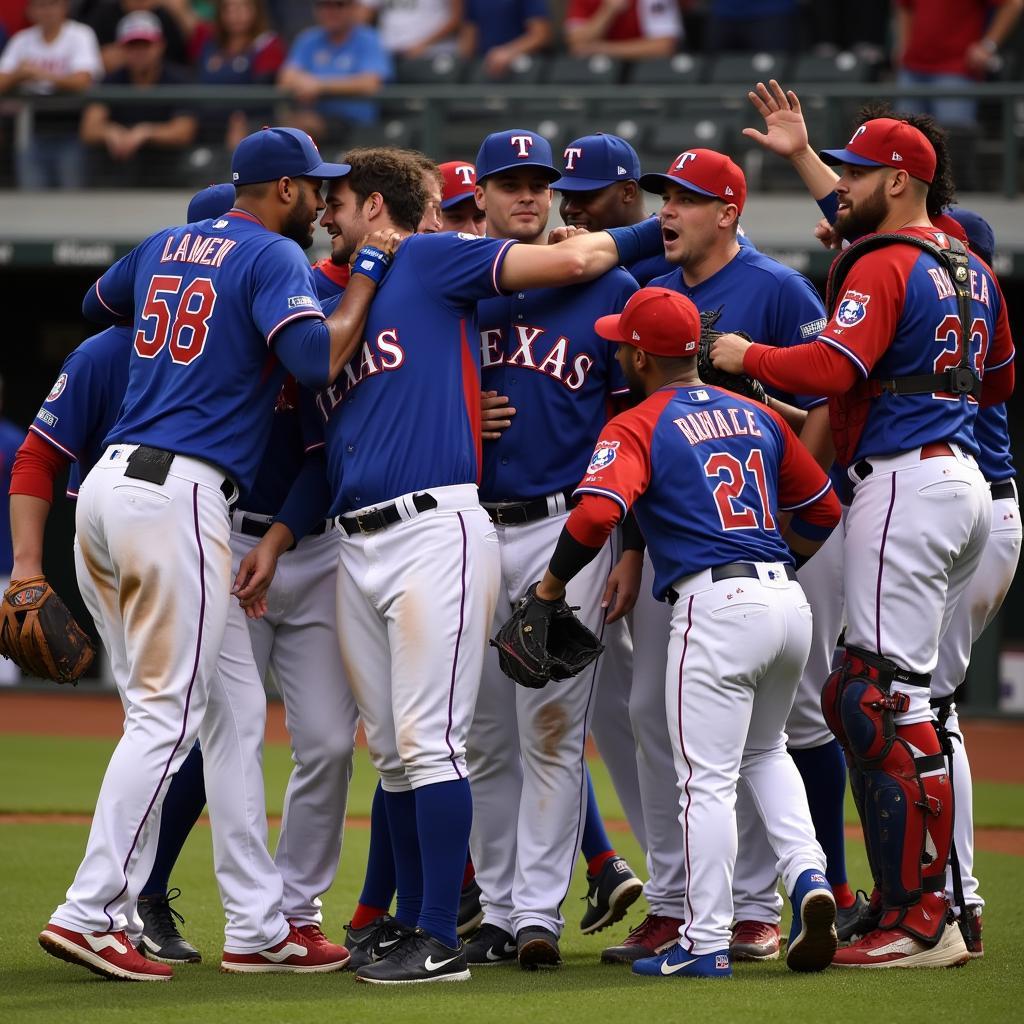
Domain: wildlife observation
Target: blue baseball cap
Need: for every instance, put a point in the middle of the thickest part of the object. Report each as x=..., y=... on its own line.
x=505, y=151
x=273, y=153
x=211, y=203
x=980, y=236
x=596, y=161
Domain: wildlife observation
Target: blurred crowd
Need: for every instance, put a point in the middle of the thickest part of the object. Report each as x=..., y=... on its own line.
x=328, y=56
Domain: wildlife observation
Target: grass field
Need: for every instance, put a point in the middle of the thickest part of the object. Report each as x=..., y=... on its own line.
x=37, y=861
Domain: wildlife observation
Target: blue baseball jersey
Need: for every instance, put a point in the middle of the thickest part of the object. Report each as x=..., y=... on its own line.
x=85, y=400
x=329, y=280
x=898, y=316
x=207, y=300
x=11, y=437
x=282, y=458
x=539, y=347
x=771, y=302
x=706, y=473
x=405, y=413
x=992, y=433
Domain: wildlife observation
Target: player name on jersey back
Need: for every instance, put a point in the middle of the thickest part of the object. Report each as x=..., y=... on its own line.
x=193, y=247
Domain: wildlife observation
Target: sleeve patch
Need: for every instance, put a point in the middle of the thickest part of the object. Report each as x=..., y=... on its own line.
x=813, y=329
x=302, y=301
x=47, y=417
x=58, y=388
x=852, y=309
x=604, y=455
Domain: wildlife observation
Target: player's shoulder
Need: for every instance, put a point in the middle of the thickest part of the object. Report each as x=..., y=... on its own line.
x=101, y=350
x=620, y=278
x=641, y=419
x=673, y=279
x=749, y=259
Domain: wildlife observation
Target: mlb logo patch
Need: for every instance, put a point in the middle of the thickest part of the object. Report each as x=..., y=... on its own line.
x=721, y=962
x=852, y=309
x=698, y=396
x=58, y=388
x=302, y=301
x=604, y=455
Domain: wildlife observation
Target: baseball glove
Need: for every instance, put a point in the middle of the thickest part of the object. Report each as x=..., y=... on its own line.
x=40, y=635
x=739, y=383
x=543, y=640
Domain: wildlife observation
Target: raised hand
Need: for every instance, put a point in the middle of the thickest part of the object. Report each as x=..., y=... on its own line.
x=786, y=133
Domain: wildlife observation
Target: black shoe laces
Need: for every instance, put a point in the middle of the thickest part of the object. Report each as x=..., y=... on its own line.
x=161, y=915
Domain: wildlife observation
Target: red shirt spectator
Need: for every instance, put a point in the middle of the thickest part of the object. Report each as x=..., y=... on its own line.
x=628, y=29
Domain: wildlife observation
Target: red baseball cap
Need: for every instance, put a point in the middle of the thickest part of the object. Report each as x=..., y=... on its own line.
x=886, y=142
x=459, y=182
x=658, y=320
x=703, y=171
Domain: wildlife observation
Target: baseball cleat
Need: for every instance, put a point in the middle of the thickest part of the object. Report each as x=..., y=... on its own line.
x=970, y=928
x=677, y=962
x=296, y=953
x=754, y=940
x=161, y=939
x=109, y=954
x=812, y=936
x=610, y=894
x=374, y=941
x=537, y=947
x=418, y=959
x=893, y=947
x=655, y=934
x=867, y=919
x=471, y=914
x=848, y=918
x=491, y=945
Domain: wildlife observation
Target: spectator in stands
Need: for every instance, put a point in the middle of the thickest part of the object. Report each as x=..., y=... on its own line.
x=236, y=48
x=626, y=29
x=54, y=55
x=338, y=59
x=949, y=43
x=136, y=144
x=416, y=28
x=502, y=30
x=176, y=22
x=752, y=26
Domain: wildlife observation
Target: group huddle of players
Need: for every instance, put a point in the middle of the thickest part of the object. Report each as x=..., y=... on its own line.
x=381, y=456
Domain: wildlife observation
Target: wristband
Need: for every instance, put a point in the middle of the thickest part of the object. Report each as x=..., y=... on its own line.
x=372, y=263
x=638, y=241
x=829, y=206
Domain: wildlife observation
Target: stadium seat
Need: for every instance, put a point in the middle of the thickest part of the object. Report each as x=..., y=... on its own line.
x=843, y=67
x=670, y=137
x=748, y=68
x=525, y=70
x=443, y=69
x=680, y=69
x=596, y=70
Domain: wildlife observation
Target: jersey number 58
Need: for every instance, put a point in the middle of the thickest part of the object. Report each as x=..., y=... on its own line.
x=185, y=333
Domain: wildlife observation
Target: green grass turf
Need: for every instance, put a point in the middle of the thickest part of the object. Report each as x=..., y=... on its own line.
x=38, y=861
x=49, y=786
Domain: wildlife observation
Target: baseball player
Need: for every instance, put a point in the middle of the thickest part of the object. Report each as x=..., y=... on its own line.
x=704, y=193
x=459, y=211
x=526, y=747
x=152, y=531
x=707, y=473
x=786, y=135
x=904, y=386
x=419, y=568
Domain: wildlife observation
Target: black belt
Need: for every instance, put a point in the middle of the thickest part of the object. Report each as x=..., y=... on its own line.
x=153, y=464
x=388, y=515
x=515, y=513
x=1003, y=489
x=734, y=570
x=257, y=528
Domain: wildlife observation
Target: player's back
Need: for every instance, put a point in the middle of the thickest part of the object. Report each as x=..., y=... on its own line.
x=208, y=299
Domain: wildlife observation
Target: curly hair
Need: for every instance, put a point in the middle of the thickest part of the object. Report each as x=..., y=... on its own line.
x=942, y=190
x=396, y=174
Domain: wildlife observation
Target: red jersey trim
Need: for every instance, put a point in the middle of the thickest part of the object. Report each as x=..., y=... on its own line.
x=103, y=304
x=1005, y=362
x=335, y=274
x=809, y=501
x=56, y=444
x=499, y=259
x=849, y=353
x=602, y=492
x=294, y=316
x=245, y=215
x=316, y=446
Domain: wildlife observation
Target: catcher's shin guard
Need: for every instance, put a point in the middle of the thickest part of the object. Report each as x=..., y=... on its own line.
x=905, y=799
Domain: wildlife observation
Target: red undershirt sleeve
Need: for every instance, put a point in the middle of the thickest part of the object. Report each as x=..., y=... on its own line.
x=36, y=467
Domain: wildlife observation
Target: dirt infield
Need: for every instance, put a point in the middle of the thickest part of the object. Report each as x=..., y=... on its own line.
x=994, y=746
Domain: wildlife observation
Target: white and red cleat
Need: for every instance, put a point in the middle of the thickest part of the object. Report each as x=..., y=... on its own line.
x=110, y=954
x=302, y=951
x=893, y=947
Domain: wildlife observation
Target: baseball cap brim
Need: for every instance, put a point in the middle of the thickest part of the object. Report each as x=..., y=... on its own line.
x=327, y=170
x=844, y=156
x=461, y=197
x=610, y=328
x=547, y=168
x=570, y=184
x=656, y=183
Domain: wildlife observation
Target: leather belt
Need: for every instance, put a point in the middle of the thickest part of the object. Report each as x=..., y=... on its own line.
x=733, y=570
x=253, y=527
x=386, y=515
x=515, y=513
x=932, y=450
x=1004, y=489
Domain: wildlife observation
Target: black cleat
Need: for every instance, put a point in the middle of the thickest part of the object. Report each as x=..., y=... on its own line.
x=471, y=914
x=374, y=941
x=161, y=939
x=419, y=958
x=491, y=945
x=537, y=947
x=610, y=893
